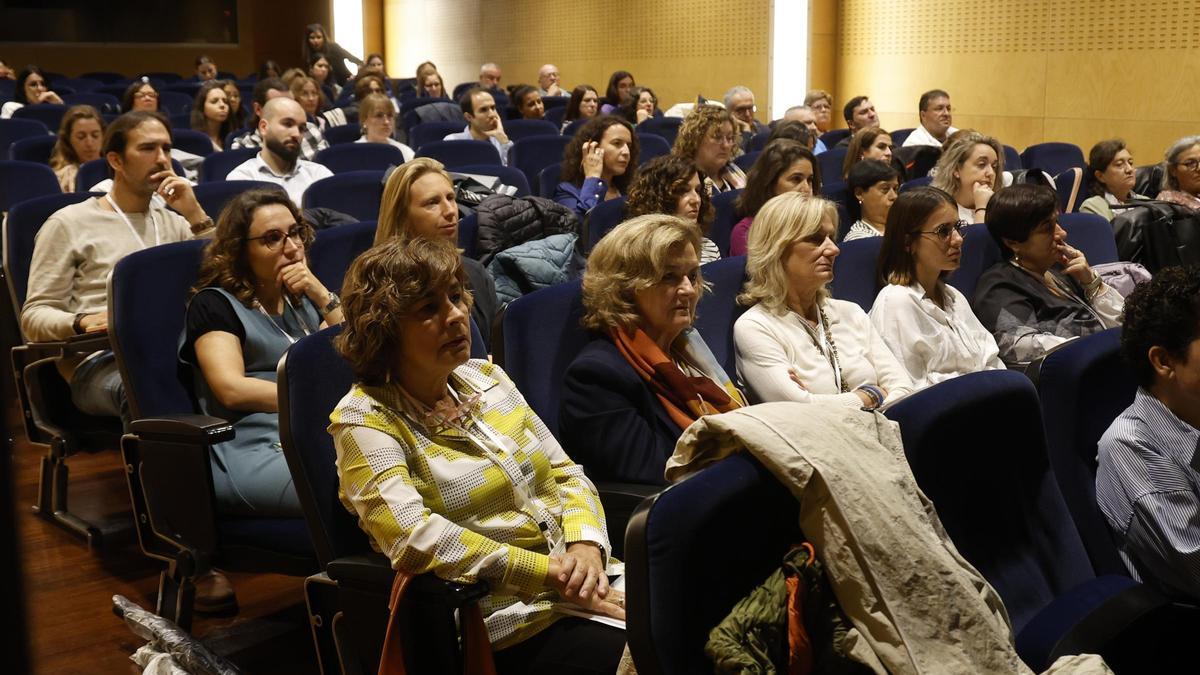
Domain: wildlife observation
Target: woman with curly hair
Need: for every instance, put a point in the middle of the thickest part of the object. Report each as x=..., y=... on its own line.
x=210, y=113
x=784, y=166
x=597, y=164
x=79, y=138
x=708, y=136
x=670, y=185
x=255, y=296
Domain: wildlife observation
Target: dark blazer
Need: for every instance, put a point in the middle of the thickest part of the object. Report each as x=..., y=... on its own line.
x=610, y=422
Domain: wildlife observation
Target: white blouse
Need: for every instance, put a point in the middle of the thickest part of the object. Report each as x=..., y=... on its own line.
x=769, y=345
x=406, y=151
x=933, y=344
x=861, y=229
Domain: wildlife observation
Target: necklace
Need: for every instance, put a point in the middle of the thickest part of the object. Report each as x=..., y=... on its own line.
x=823, y=341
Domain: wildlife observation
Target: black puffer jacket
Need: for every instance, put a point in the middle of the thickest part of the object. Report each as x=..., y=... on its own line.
x=507, y=221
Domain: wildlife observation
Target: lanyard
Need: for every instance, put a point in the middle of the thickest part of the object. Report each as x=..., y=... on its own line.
x=299, y=318
x=149, y=215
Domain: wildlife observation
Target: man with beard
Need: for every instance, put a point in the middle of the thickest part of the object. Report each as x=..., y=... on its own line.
x=77, y=248
x=312, y=142
x=282, y=127
x=935, y=127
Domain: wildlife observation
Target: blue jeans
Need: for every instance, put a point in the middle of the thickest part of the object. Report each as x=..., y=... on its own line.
x=96, y=388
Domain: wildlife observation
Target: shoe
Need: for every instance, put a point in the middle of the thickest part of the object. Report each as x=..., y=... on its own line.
x=214, y=594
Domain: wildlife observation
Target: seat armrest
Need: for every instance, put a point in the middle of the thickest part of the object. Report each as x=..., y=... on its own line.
x=372, y=572
x=189, y=429
x=86, y=343
x=620, y=500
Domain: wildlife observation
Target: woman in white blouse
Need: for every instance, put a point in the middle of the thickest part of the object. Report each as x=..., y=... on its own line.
x=927, y=323
x=795, y=343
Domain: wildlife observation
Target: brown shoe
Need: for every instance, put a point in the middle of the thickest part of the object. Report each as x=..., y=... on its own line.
x=214, y=594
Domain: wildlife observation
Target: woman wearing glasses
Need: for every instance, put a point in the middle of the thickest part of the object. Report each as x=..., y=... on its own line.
x=141, y=95
x=1043, y=293
x=1113, y=174
x=255, y=296
x=707, y=136
x=927, y=323
x=1181, y=181
x=795, y=343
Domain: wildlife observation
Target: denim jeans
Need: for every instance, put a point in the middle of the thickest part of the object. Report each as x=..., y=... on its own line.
x=96, y=388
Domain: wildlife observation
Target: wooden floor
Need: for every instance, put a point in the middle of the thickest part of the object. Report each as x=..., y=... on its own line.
x=69, y=589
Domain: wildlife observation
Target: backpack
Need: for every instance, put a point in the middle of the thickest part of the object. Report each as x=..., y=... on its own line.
x=1157, y=234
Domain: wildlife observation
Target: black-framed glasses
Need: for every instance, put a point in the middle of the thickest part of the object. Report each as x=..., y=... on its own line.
x=942, y=232
x=272, y=239
x=1190, y=165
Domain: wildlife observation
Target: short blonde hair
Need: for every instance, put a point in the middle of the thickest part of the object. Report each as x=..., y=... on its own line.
x=781, y=222
x=702, y=122
x=630, y=258
x=393, y=207
x=371, y=104
x=956, y=154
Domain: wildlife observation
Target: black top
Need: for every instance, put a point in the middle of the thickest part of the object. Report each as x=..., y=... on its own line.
x=208, y=312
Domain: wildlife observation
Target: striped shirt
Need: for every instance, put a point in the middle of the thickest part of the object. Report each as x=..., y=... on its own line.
x=467, y=506
x=1148, y=488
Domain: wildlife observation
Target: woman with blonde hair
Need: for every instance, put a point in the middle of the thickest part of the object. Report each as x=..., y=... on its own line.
x=796, y=343
x=709, y=136
x=79, y=138
x=419, y=203
x=630, y=393
x=377, y=115
x=970, y=169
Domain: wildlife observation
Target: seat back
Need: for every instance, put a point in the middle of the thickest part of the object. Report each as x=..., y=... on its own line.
x=854, y=272
x=1054, y=158
x=175, y=103
x=977, y=449
x=190, y=140
x=360, y=157
x=518, y=129
x=651, y=146
x=33, y=149
x=547, y=181
x=345, y=133
x=901, y=135
x=916, y=182
x=214, y=196
x=668, y=620
x=556, y=114
x=355, y=193
x=218, y=165
x=667, y=127
x=428, y=132
x=531, y=155
x=25, y=180
x=758, y=141
x=20, y=228
x=833, y=137
x=1091, y=234
x=574, y=126
x=542, y=336
x=746, y=160
x=12, y=130
x=50, y=114
x=1012, y=159
x=104, y=103
x=1083, y=386
x=719, y=309
x=830, y=163
x=148, y=295
x=979, y=252
x=602, y=219
x=838, y=192
x=507, y=175
x=454, y=154
x=723, y=219
x=1069, y=185
x=468, y=231
x=335, y=248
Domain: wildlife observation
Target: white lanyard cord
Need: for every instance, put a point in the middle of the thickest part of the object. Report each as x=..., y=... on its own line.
x=149, y=215
x=299, y=318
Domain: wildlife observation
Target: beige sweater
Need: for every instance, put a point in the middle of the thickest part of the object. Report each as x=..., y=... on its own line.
x=73, y=255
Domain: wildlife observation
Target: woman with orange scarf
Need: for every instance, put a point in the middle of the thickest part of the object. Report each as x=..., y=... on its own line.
x=648, y=375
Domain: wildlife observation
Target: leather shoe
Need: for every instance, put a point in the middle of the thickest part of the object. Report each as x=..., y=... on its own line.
x=214, y=594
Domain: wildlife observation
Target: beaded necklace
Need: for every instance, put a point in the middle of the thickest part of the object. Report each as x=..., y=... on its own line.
x=825, y=337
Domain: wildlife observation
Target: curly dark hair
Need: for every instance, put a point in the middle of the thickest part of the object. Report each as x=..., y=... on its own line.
x=225, y=264
x=1163, y=312
x=572, y=165
x=777, y=157
x=383, y=286
x=659, y=184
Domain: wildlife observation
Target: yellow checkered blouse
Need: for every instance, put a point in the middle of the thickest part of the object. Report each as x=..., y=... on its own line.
x=432, y=499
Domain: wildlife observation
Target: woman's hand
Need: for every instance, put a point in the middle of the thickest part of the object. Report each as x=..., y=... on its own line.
x=983, y=194
x=580, y=574
x=796, y=378
x=593, y=160
x=49, y=97
x=1075, y=264
x=299, y=280
x=643, y=115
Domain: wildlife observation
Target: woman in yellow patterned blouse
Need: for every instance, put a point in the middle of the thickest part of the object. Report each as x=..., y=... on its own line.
x=451, y=472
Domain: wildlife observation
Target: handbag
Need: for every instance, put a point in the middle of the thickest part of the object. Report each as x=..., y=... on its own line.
x=476, y=648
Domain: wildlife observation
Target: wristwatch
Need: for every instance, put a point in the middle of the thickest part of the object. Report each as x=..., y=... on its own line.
x=77, y=324
x=334, y=303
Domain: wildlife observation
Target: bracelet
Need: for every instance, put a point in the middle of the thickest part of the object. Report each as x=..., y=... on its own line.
x=874, y=392
x=77, y=324
x=334, y=303
x=201, y=226
x=1094, y=285
x=981, y=208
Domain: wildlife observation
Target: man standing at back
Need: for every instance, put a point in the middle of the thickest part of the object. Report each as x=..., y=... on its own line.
x=1148, y=479
x=935, y=127
x=282, y=127
x=483, y=122
x=75, y=251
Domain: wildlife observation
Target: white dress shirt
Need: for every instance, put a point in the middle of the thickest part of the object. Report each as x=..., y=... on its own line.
x=769, y=345
x=305, y=173
x=921, y=136
x=933, y=344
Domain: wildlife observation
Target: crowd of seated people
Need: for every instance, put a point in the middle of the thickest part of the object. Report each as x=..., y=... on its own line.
x=646, y=374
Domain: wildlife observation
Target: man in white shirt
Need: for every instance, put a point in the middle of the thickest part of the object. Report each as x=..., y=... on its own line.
x=808, y=117
x=935, y=127
x=483, y=122
x=271, y=88
x=76, y=249
x=548, y=81
x=282, y=126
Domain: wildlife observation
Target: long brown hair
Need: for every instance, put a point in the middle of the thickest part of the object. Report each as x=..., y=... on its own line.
x=572, y=165
x=63, y=153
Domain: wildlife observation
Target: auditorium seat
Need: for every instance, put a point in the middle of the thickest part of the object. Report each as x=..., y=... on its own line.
x=218, y=165
x=602, y=219
x=854, y=272
x=1091, y=234
x=901, y=135
x=573, y=128
x=345, y=133
x=104, y=103
x=1053, y=158
x=506, y=174
x=667, y=127
x=34, y=149
x=355, y=193
x=214, y=196
x=174, y=102
x=428, y=132
x=190, y=140
x=548, y=180
x=519, y=129
x=916, y=182
x=335, y=248
x=1069, y=186
x=724, y=218
x=12, y=130
x=461, y=153
x=651, y=146
x=97, y=170
x=360, y=157
x=719, y=309
x=834, y=136
x=21, y=180
x=746, y=160
x=531, y=155
x=1012, y=159
x=50, y=114
x=838, y=192
x=830, y=163
x=979, y=252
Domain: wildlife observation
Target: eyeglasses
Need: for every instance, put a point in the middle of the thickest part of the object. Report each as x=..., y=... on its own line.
x=943, y=231
x=821, y=107
x=1190, y=165
x=746, y=109
x=719, y=138
x=274, y=238
x=147, y=94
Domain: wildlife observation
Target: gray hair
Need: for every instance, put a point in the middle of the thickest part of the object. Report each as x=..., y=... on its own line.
x=488, y=66
x=736, y=91
x=797, y=107
x=1177, y=148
